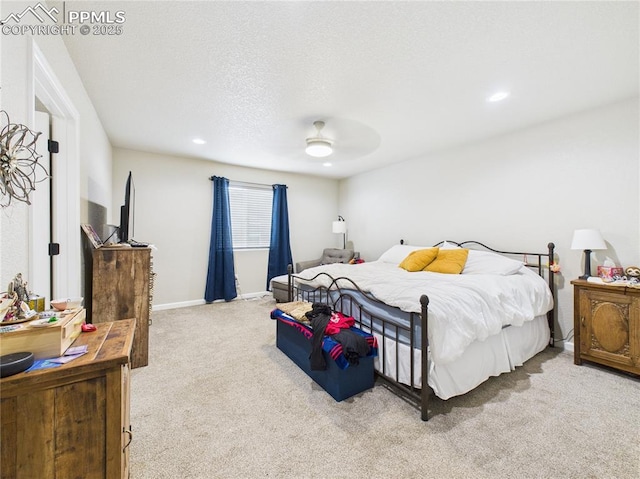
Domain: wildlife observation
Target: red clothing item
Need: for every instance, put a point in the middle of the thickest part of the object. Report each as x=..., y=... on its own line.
x=337, y=322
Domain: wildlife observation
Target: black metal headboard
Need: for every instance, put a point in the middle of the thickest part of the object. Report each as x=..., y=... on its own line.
x=533, y=260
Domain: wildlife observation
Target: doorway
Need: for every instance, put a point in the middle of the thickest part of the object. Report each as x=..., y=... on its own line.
x=65, y=276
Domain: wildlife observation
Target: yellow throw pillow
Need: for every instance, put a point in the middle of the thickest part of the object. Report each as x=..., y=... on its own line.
x=419, y=259
x=450, y=261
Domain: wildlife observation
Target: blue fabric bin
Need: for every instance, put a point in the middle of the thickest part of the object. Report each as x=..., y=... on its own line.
x=339, y=383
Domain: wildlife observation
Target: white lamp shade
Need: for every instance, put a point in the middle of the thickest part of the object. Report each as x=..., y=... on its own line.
x=588, y=239
x=340, y=227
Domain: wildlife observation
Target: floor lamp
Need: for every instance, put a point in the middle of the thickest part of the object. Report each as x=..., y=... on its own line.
x=340, y=227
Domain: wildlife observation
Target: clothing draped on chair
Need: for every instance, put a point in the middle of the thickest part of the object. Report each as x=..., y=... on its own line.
x=280, y=246
x=221, y=276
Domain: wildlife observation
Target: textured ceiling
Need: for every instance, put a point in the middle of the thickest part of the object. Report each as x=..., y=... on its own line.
x=392, y=80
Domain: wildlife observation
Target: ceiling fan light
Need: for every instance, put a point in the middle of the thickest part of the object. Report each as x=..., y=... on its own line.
x=318, y=147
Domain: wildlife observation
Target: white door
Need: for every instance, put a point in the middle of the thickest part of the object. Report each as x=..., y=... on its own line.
x=49, y=216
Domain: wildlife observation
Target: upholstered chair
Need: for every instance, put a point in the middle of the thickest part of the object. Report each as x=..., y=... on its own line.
x=329, y=256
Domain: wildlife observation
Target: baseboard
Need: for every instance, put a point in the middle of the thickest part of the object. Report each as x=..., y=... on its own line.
x=182, y=304
x=564, y=345
x=198, y=302
x=258, y=295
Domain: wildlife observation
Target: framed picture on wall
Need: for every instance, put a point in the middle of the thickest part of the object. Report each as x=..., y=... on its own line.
x=92, y=235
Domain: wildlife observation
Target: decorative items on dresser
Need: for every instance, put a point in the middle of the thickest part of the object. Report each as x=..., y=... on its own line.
x=118, y=285
x=72, y=420
x=607, y=325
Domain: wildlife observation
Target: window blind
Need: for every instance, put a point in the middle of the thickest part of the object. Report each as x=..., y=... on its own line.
x=250, y=206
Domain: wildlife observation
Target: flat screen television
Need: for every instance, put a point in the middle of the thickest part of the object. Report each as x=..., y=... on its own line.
x=127, y=211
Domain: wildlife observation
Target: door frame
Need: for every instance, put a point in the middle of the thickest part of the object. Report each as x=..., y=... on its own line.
x=66, y=182
x=40, y=216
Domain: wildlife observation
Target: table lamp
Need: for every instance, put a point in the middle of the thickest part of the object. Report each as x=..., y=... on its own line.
x=587, y=240
x=340, y=226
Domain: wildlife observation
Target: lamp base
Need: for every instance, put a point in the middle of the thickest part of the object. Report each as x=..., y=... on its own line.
x=587, y=264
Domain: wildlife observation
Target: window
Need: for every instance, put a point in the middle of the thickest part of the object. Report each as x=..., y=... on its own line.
x=250, y=206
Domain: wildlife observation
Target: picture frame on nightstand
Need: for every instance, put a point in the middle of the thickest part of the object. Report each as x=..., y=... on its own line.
x=93, y=237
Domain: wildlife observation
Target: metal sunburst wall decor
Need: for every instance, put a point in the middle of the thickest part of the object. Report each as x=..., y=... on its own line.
x=19, y=167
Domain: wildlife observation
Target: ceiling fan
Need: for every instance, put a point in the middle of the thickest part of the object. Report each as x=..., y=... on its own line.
x=290, y=138
x=318, y=146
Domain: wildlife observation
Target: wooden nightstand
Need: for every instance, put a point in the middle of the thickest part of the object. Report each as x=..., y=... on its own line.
x=607, y=325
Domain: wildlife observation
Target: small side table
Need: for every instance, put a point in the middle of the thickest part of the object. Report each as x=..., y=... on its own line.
x=607, y=325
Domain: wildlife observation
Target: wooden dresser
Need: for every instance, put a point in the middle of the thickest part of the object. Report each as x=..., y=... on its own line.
x=120, y=288
x=73, y=420
x=607, y=325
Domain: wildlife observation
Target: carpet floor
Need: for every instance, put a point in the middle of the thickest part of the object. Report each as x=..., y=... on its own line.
x=219, y=400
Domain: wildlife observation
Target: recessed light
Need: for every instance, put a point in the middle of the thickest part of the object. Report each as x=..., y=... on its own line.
x=198, y=141
x=327, y=164
x=498, y=96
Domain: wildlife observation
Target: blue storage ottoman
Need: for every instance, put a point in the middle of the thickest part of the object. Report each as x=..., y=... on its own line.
x=341, y=379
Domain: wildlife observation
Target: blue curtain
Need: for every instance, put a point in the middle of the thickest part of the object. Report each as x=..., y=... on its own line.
x=280, y=246
x=221, y=276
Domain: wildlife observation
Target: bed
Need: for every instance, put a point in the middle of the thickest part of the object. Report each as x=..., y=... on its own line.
x=446, y=332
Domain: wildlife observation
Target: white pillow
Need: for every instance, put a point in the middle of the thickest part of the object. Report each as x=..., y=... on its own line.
x=486, y=262
x=447, y=245
x=397, y=253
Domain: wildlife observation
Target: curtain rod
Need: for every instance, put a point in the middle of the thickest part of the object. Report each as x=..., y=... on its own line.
x=247, y=183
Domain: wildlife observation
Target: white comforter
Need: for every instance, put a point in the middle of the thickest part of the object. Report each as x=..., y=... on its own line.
x=462, y=308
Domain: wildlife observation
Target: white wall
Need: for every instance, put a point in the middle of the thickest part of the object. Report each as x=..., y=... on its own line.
x=17, y=98
x=173, y=211
x=587, y=167
x=517, y=191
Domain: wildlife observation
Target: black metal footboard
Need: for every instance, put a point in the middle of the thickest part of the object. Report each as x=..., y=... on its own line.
x=344, y=295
